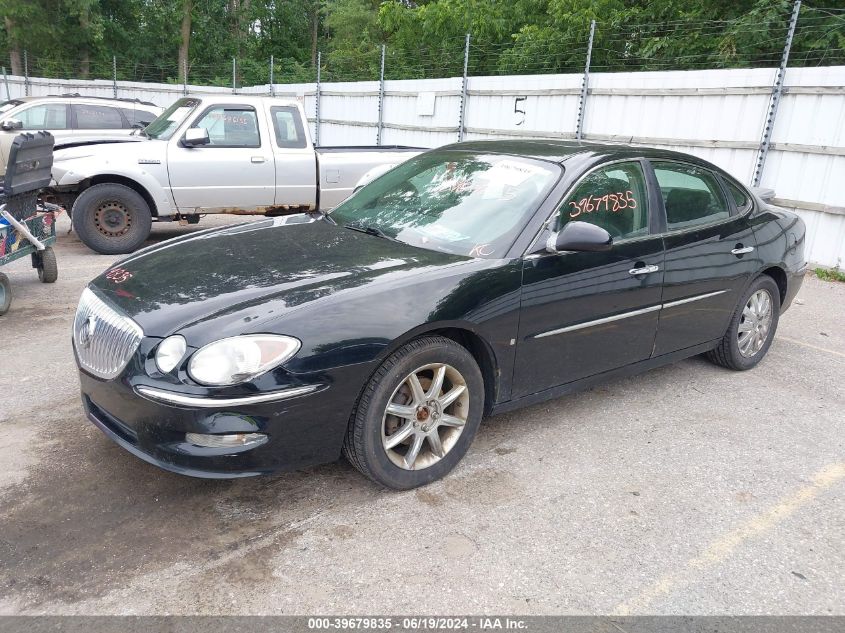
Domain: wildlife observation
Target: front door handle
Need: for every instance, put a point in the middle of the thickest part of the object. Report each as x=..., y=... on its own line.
x=644, y=270
x=741, y=250
x=258, y=159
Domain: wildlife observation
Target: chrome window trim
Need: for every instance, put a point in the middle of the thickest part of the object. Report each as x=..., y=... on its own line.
x=625, y=315
x=202, y=402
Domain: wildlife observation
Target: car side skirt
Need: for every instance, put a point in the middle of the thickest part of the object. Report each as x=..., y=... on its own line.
x=585, y=383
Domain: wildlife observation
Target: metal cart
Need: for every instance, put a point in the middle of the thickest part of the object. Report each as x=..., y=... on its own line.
x=27, y=226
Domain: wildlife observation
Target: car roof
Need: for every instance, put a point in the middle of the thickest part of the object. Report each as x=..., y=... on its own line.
x=560, y=151
x=121, y=101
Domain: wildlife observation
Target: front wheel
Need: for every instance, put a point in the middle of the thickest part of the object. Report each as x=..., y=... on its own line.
x=418, y=414
x=752, y=327
x=111, y=219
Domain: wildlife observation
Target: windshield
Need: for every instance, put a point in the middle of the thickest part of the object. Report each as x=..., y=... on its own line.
x=8, y=105
x=169, y=121
x=453, y=201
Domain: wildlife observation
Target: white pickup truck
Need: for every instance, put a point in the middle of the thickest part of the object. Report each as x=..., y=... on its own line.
x=211, y=154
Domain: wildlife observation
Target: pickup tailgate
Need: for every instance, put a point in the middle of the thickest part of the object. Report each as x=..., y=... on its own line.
x=342, y=167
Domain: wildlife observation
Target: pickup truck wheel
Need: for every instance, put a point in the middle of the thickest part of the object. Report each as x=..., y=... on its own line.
x=417, y=415
x=111, y=219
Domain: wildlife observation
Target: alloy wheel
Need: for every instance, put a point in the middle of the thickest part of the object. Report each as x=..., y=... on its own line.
x=755, y=323
x=425, y=416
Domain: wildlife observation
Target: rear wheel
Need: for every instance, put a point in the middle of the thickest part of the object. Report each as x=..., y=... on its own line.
x=418, y=414
x=752, y=327
x=5, y=294
x=111, y=219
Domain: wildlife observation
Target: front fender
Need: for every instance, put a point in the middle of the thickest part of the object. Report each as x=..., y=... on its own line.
x=79, y=174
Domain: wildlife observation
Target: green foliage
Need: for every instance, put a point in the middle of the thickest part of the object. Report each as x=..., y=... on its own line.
x=829, y=274
x=424, y=38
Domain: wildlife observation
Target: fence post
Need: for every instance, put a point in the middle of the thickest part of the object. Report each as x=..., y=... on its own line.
x=585, y=83
x=777, y=91
x=114, y=75
x=234, y=76
x=463, y=110
x=272, y=90
x=6, y=81
x=185, y=76
x=25, y=73
x=317, y=105
x=380, y=97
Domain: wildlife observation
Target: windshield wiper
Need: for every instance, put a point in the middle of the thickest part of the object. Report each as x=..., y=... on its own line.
x=139, y=129
x=370, y=230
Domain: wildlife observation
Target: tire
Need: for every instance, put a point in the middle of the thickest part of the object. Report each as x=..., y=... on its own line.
x=371, y=427
x=111, y=219
x=730, y=352
x=5, y=294
x=48, y=268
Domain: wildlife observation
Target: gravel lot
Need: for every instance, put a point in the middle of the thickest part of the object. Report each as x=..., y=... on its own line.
x=686, y=490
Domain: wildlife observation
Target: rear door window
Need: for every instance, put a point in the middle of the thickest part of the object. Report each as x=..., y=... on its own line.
x=741, y=199
x=288, y=127
x=95, y=117
x=692, y=195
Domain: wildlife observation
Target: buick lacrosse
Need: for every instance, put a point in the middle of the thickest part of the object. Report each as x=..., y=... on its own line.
x=469, y=280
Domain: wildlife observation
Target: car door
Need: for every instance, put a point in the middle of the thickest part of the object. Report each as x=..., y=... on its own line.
x=709, y=255
x=233, y=171
x=586, y=313
x=296, y=169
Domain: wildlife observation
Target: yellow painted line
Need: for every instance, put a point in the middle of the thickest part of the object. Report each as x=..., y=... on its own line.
x=810, y=345
x=723, y=547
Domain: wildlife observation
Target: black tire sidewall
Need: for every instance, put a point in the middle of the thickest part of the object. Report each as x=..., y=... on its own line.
x=761, y=283
x=48, y=270
x=438, y=351
x=6, y=292
x=84, y=225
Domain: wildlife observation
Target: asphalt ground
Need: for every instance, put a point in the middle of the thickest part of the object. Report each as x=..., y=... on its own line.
x=689, y=489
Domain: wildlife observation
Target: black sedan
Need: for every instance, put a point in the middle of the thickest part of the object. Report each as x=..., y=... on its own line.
x=470, y=280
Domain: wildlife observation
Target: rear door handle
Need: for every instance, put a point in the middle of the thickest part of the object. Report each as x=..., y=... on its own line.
x=258, y=159
x=644, y=270
x=741, y=250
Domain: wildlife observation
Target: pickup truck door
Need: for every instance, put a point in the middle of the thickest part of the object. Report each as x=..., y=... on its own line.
x=234, y=171
x=296, y=165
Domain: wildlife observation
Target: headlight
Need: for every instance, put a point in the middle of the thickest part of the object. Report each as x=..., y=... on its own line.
x=240, y=358
x=170, y=351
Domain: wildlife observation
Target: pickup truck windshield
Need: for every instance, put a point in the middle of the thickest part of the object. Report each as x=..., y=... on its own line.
x=452, y=201
x=170, y=120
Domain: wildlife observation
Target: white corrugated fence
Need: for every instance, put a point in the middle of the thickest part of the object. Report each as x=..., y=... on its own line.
x=715, y=114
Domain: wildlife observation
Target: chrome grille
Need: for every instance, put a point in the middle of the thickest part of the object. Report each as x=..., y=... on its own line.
x=104, y=339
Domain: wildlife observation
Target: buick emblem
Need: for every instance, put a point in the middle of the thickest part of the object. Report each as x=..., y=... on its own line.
x=86, y=332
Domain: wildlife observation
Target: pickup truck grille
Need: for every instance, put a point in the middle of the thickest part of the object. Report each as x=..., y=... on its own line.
x=103, y=338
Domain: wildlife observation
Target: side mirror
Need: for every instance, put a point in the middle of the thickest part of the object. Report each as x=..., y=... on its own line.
x=11, y=124
x=580, y=236
x=195, y=136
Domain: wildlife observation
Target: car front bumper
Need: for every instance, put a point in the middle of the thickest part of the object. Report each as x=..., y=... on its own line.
x=305, y=423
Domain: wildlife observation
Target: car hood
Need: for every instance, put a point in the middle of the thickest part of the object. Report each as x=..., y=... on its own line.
x=247, y=275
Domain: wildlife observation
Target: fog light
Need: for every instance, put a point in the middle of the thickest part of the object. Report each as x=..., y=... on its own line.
x=229, y=440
